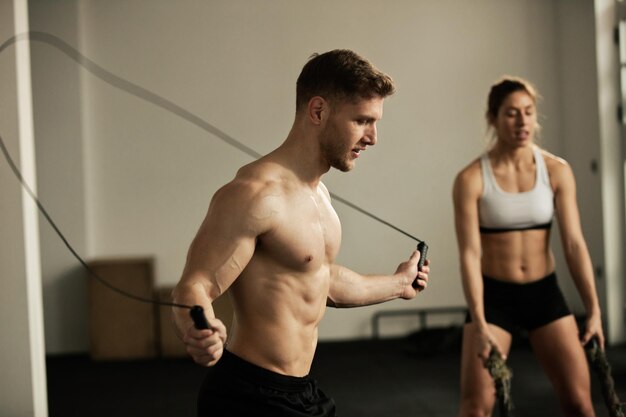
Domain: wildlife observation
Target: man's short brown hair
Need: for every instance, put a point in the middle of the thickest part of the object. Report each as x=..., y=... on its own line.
x=341, y=74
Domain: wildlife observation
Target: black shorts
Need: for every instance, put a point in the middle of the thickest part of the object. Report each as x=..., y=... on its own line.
x=238, y=388
x=513, y=306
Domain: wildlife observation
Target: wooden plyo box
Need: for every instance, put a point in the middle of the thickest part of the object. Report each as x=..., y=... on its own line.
x=120, y=327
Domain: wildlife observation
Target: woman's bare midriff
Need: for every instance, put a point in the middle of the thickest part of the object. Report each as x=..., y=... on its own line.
x=517, y=256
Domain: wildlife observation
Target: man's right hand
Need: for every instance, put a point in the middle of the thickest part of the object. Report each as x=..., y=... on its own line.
x=206, y=346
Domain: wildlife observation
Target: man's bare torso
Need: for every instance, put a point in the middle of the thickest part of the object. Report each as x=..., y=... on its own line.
x=280, y=296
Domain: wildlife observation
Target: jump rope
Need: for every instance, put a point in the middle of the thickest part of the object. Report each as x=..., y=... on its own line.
x=196, y=312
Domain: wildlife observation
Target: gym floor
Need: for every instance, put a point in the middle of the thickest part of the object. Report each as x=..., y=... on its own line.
x=413, y=376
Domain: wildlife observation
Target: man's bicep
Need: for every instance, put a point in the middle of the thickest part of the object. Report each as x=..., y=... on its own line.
x=220, y=252
x=223, y=246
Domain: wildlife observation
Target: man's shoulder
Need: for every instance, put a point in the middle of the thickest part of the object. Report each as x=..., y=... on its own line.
x=254, y=184
x=249, y=203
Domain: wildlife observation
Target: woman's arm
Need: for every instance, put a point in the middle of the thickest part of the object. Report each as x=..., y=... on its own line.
x=574, y=245
x=466, y=193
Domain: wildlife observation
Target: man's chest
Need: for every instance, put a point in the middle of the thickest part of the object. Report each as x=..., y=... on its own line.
x=306, y=235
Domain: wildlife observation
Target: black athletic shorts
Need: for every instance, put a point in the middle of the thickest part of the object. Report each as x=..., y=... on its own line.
x=529, y=306
x=238, y=388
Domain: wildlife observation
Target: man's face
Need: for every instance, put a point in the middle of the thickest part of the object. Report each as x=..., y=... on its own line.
x=350, y=128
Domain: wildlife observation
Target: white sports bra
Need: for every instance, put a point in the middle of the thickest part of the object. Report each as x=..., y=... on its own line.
x=500, y=211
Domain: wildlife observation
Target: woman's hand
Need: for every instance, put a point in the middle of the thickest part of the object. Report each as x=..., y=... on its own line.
x=593, y=328
x=484, y=341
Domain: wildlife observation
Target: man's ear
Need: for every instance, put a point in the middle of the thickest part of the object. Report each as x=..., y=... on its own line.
x=317, y=110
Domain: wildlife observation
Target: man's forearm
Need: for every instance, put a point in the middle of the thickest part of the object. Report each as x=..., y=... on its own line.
x=350, y=289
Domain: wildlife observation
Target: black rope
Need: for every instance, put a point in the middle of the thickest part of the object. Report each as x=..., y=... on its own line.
x=129, y=87
x=162, y=102
x=159, y=101
x=43, y=211
x=378, y=219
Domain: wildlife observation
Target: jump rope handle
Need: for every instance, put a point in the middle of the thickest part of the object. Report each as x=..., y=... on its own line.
x=198, y=317
x=422, y=248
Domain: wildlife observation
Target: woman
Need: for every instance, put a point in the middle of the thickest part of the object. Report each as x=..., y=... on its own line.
x=504, y=203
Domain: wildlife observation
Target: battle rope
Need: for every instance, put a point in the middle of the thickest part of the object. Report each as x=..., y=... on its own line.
x=598, y=361
x=601, y=367
x=502, y=376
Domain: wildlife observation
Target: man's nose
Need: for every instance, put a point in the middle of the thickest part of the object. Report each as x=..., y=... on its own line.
x=371, y=136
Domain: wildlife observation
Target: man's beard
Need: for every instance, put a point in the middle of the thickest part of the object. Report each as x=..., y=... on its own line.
x=333, y=150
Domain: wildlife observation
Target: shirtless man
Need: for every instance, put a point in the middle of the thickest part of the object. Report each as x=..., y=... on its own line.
x=270, y=237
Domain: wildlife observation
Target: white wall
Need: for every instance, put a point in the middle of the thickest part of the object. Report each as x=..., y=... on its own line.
x=147, y=175
x=22, y=352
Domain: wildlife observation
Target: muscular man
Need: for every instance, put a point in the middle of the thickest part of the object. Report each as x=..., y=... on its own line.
x=270, y=237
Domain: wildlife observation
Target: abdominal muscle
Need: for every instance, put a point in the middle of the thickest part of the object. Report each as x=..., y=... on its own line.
x=519, y=256
x=277, y=316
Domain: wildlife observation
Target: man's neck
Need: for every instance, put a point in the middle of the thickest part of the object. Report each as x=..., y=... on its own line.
x=301, y=154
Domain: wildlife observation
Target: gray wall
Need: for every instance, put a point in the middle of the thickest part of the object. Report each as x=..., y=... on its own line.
x=124, y=177
x=578, y=88
x=611, y=137
x=63, y=184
